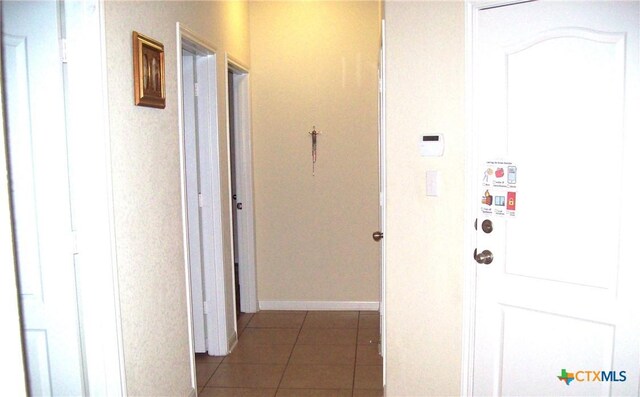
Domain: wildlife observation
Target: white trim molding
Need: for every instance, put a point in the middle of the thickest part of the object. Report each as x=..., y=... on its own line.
x=320, y=305
x=246, y=243
x=213, y=251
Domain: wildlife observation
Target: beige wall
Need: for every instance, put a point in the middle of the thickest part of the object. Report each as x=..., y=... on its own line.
x=315, y=63
x=146, y=185
x=424, y=235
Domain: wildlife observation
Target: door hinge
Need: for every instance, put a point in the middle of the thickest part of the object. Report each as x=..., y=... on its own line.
x=63, y=50
x=205, y=307
x=200, y=200
x=195, y=89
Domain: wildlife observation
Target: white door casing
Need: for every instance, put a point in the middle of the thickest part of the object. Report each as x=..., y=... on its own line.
x=382, y=197
x=213, y=284
x=556, y=92
x=243, y=173
x=40, y=189
x=193, y=198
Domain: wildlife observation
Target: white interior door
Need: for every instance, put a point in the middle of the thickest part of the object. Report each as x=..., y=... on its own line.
x=193, y=192
x=40, y=190
x=556, y=95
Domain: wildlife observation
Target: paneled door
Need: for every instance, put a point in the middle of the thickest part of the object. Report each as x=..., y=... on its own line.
x=40, y=192
x=556, y=132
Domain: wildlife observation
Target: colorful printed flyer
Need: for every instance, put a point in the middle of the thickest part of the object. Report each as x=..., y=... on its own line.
x=499, y=187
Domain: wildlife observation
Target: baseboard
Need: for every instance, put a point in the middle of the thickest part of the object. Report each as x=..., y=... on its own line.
x=319, y=305
x=232, y=341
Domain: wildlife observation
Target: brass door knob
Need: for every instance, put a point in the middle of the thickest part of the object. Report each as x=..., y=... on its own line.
x=485, y=257
x=377, y=236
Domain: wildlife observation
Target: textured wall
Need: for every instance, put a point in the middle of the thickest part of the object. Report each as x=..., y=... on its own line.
x=146, y=186
x=424, y=235
x=315, y=63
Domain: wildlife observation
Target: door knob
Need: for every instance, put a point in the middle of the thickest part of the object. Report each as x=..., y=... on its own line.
x=377, y=236
x=485, y=257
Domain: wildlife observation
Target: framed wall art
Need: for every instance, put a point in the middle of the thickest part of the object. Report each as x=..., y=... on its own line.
x=148, y=71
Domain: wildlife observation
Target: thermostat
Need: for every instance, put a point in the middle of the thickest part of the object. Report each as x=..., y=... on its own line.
x=431, y=145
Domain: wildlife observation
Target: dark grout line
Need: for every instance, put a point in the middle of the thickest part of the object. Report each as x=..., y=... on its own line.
x=210, y=376
x=355, y=361
x=291, y=353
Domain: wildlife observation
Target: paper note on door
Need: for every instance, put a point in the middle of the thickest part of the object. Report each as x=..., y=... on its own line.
x=498, y=189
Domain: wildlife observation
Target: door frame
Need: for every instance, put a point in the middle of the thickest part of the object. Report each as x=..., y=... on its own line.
x=213, y=275
x=244, y=180
x=382, y=170
x=89, y=157
x=472, y=8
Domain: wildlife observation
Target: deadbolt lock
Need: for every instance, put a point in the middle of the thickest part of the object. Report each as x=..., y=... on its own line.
x=487, y=226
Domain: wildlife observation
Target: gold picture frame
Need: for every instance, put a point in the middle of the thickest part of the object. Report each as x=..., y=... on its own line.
x=148, y=72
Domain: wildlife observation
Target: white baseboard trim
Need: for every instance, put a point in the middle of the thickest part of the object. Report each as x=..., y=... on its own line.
x=232, y=341
x=318, y=305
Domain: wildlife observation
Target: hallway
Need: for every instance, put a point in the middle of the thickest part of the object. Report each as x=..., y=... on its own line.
x=298, y=353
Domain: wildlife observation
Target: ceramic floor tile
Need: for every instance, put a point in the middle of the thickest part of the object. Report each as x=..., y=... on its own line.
x=277, y=320
x=368, y=393
x=247, y=375
x=269, y=336
x=259, y=354
x=330, y=336
x=368, y=336
x=369, y=321
x=368, y=377
x=205, y=358
x=323, y=354
x=313, y=393
x=236, y=392
x=317, y=377
x=331, y=320
x=204, y=372
x=368, y=355
x=243, y=320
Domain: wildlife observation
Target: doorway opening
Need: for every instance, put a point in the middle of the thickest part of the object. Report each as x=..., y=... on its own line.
x=241, y=188
x=201, y=196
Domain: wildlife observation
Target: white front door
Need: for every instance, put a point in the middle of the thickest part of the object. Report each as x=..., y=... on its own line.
x=40, y=192
x=556, y=108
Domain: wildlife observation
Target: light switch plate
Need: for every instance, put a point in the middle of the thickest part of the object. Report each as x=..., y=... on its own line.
x=433, y=183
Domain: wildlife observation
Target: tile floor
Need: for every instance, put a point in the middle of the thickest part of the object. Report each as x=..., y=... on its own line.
x=298, y=354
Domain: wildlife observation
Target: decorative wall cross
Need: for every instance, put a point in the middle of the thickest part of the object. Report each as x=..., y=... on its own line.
x=314, y=148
